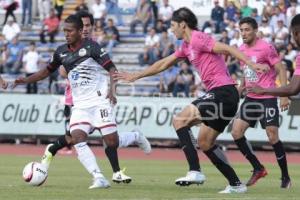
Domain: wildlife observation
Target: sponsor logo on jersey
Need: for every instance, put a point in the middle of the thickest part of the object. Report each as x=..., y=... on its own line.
x=75, y=75
x=82, y=52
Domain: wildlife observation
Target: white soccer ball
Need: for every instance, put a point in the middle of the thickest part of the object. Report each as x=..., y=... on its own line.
x=35, y=173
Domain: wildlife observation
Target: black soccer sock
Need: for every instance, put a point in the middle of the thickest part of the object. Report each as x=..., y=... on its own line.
x=60, y=143
x=281, y=158
x=188, y=148
x=246, y=149
x=218, y=158
x=112, y=155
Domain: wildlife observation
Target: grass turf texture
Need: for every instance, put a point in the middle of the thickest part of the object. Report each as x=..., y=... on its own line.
x=68, y=180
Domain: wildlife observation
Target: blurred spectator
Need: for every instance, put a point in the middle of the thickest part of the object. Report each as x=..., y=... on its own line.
x=100, y=36
x=245, y=9
x=14, y=53
x=142, y=16
x=11, y=30
x=281, y=35
x=167, y=79
x=224, y=38
x=160, y=27
x=151, y=50
x=282, y=6
x=230, y=11
x=113, y=8
x=50, y=26
x=255, y=16
x=44, y=7
x=165, y=13
x=31, y=65
x=276, y=17
x=266, y=30
x=292, y=11
x=154, y=11
x=26, y=9
x=99, y=11
x=166, y=44
x=236, y=40
x=217, y=18
x=59, y=7
x=184, y=80
x=10, y=6
x=82, y=6
x=3, y=58
x=289, y=56
x=268, y=9
x=112, y=35
x=231, y=29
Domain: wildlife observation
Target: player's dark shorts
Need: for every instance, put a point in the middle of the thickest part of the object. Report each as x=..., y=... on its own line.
x=263, y=110
x=218, y=106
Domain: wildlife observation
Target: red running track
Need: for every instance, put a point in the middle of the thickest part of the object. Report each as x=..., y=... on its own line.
x=137, y=154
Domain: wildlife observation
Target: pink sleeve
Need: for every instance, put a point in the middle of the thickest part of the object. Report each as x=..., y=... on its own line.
x=203, y=42
x=273, y=57
x=179, y=53
x=297, y=70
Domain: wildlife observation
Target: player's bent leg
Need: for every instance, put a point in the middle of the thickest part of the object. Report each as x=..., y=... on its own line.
x=86, y=156
x=238, y=131
x=181, y=123
x=112, y=141
x=272, y=132
x=206, y=141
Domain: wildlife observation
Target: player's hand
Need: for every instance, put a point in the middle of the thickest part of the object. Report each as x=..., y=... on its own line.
x=127, y=77
x=284, y=103
x=4, y=84
x=19, y=81
x=261, y=68
x=255, y=89
x=112, y=97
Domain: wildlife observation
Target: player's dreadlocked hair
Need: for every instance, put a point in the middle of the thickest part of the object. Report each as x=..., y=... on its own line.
x=76, y=20
x=186, y=15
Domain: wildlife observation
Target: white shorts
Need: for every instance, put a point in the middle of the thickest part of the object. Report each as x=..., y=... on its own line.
x=97, y=117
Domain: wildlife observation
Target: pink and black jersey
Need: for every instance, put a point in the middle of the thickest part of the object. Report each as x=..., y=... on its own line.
x=261, y=52
x=210, y=66
x=84, y=66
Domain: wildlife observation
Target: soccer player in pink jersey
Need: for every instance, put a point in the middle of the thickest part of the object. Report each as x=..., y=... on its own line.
x=257, y=107
x=213, y=110
x=293, y=87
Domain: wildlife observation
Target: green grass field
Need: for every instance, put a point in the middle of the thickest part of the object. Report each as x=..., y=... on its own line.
x=151, y=180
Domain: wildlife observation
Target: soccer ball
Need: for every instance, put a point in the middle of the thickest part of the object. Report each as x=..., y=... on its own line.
x=35, y=173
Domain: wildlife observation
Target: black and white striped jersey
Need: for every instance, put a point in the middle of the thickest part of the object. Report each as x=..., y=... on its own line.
x=84, y=65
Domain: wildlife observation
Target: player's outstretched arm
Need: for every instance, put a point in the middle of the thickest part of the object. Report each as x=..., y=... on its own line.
x=156, y=68
x=222, y=48
x=291, y=89
x=40, y=75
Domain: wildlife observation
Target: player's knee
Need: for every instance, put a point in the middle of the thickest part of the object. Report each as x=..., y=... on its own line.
x=236, y=133
x=179, y=122
x=204, y=145
x=111, y=140
x=273, y=134
x=78, y=137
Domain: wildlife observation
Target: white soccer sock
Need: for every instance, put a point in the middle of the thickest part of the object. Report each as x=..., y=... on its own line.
x=88, y=159
x=127, y=138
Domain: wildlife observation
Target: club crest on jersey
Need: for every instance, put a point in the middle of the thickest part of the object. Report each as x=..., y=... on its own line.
x=75, y=75
x=82, y=52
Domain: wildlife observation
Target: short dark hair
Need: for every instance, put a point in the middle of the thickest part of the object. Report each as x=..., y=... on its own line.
x=76, y=20
x=249, y=20
x=186, y=15
x=295, y=21
x=84, y=14
x=32, y=43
